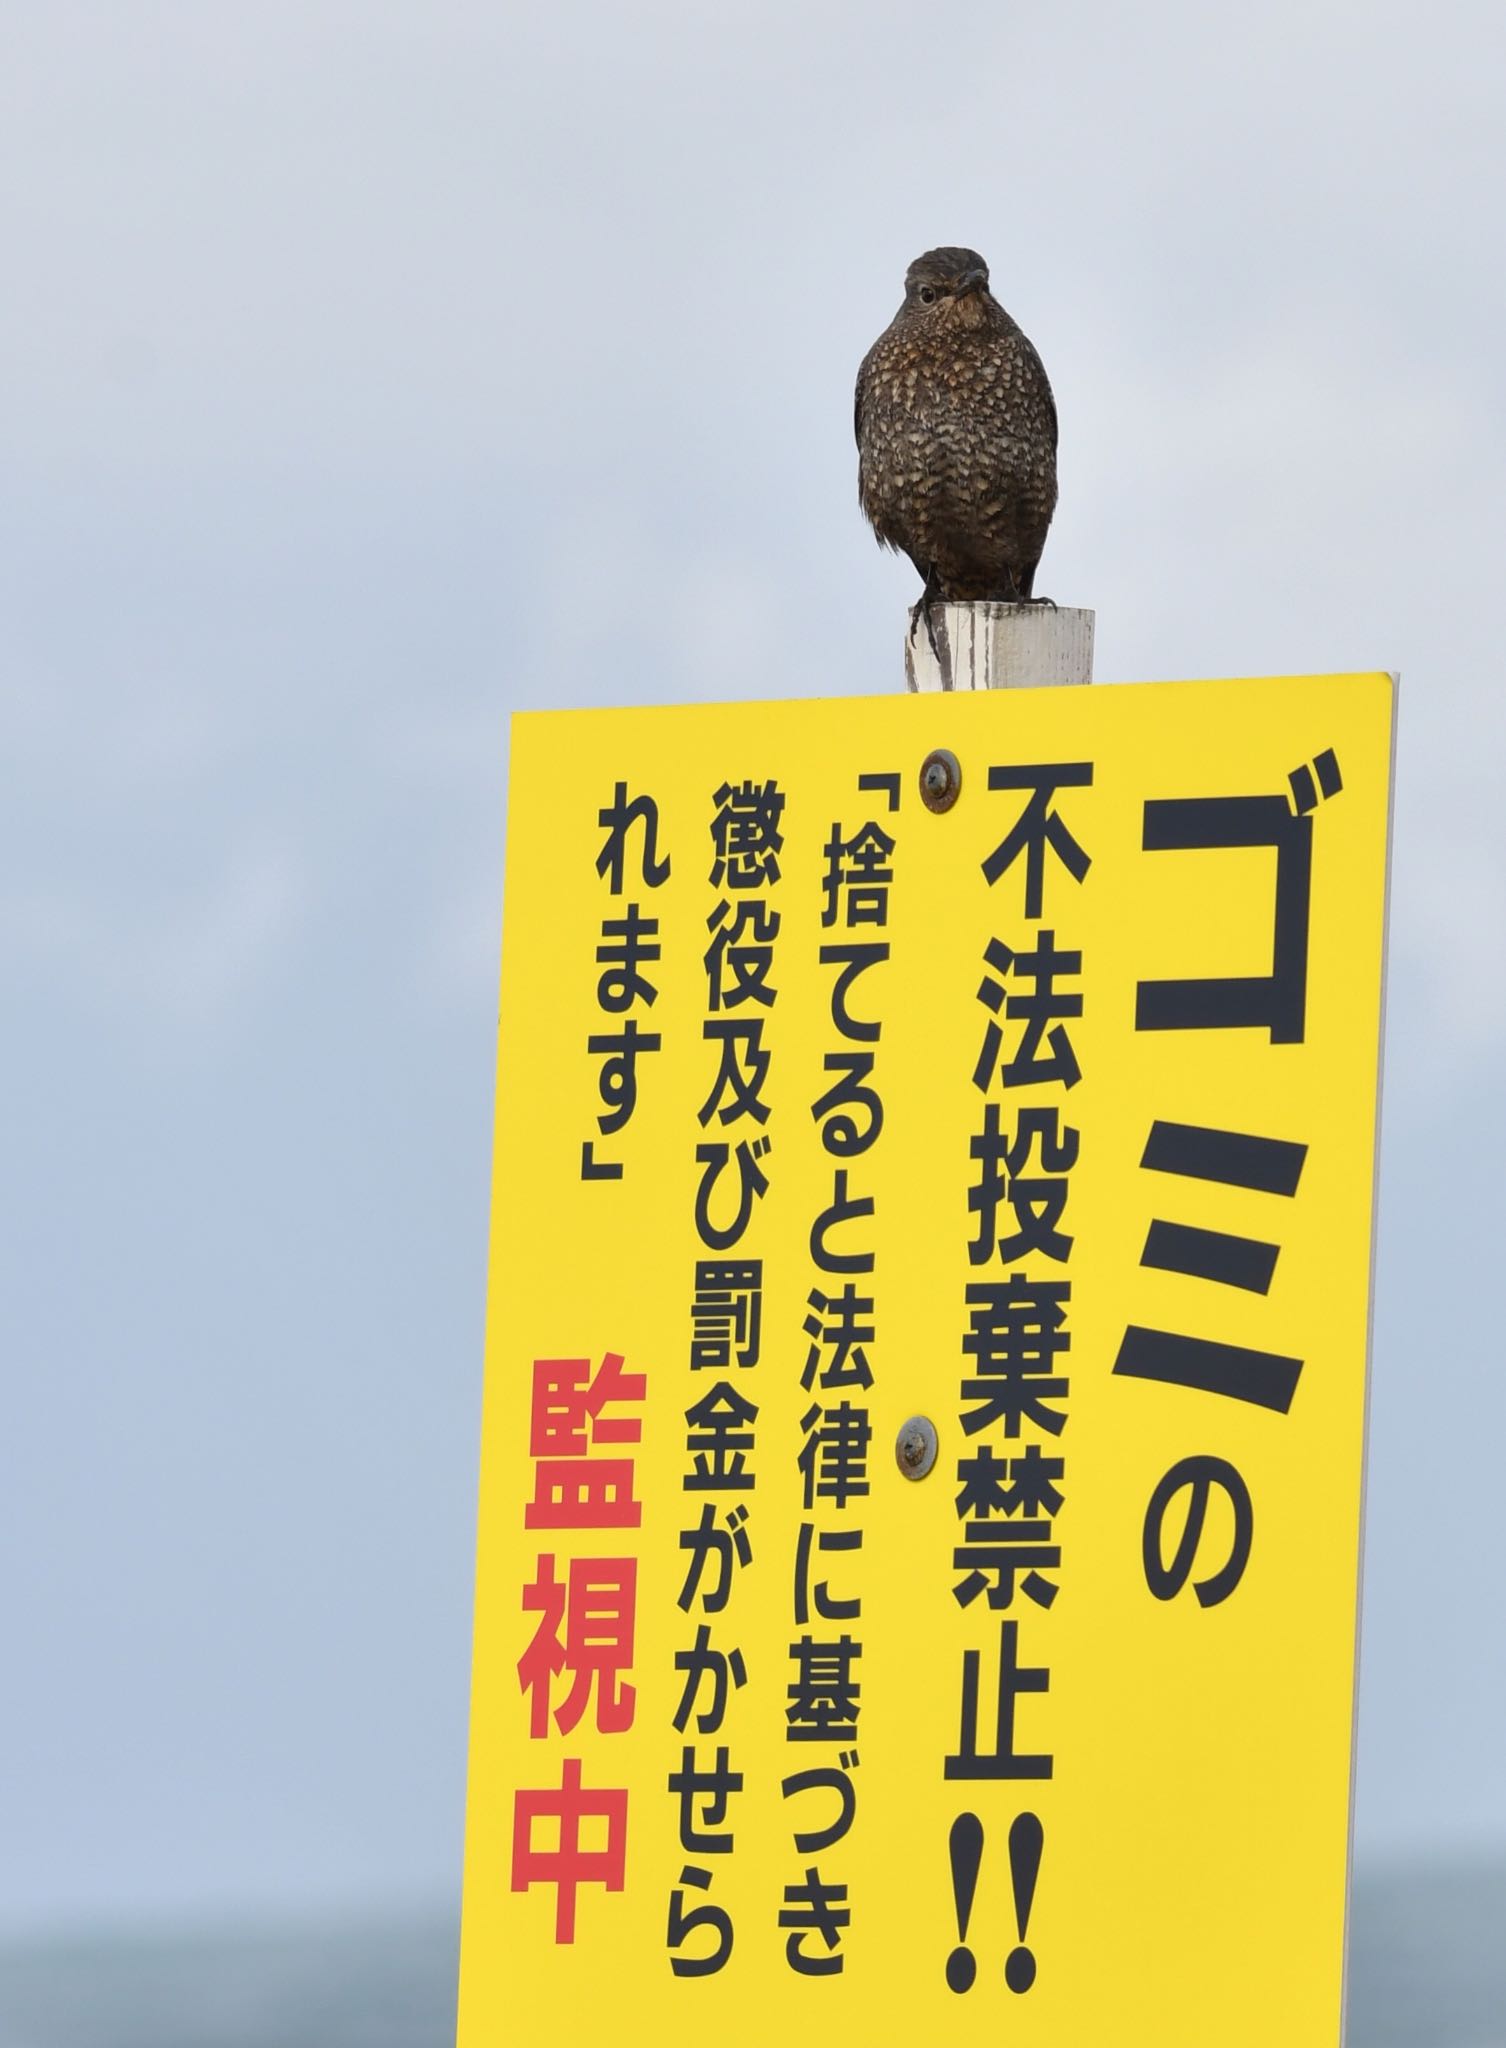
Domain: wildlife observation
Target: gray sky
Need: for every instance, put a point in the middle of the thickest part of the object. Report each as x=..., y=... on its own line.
x=374, y=370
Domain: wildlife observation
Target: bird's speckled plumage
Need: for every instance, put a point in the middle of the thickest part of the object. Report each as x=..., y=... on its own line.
x=956, y=431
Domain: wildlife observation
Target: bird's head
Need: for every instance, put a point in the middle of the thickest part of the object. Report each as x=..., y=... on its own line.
x=948, y=287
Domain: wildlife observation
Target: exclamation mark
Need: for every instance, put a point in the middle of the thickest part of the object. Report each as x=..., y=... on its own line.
x=966, y=1846
x=1026, y=1839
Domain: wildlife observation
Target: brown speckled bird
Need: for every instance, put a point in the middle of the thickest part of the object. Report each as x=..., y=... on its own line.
x=956, y=430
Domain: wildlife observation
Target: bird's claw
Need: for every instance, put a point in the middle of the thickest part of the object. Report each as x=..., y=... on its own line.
x=922, y=609
x=930, y=595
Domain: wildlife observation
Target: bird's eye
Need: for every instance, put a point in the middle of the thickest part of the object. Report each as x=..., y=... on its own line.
x=927, y=295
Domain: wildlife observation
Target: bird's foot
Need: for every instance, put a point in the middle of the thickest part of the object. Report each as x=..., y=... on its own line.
x=1049, y=602
x=922, y=609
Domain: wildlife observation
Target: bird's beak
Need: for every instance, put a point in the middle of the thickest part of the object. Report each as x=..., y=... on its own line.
x=971, y=281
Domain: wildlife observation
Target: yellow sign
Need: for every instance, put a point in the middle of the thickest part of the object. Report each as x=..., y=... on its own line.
x=925, y=1374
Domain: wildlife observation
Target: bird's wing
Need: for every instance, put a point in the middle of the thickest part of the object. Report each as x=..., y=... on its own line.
x=1046, y=391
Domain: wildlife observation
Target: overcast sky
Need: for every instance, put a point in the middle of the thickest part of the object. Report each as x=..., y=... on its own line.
x=373, y=370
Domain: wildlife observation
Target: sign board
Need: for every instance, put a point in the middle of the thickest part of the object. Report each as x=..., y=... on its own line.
x=1034, y=1130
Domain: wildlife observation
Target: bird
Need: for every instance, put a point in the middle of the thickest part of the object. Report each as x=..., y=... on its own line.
x=956, y=434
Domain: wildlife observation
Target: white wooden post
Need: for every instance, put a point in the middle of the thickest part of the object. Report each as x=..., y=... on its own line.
x=1000, y=647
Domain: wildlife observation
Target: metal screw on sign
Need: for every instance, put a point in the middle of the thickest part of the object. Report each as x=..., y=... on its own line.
x=940, y=780
x=915, y=1447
